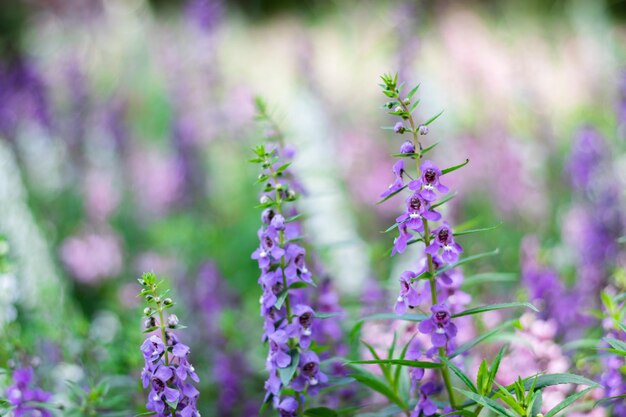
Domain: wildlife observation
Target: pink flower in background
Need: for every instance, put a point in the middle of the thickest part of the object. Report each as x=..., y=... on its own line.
x=102, y=197
x=92, y=257
x=157, y=180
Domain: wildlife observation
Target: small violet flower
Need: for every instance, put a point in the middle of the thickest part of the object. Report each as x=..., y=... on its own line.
x=439, y=326
x=428, y=182
x=398, y=172
x=409, y=297
x=444, y=240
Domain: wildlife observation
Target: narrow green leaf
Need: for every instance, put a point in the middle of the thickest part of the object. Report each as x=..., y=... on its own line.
x=281, y=299
x=413, y=91
x=493, y=370
x=616, y=344
x=567, y=402
x=537, y=402
x=320, y=412
x=444, y=200
x=417, y=317
x=286, y=374
x=468, y=345
x=414, y=106
x=396, y=378
x=467, y=260
x=454, y=168
x=459, y=413
x=432, y=119
x=487, y=402
x=491, y=307
x=543, y=381
x=379, y=386
x=428, y=149
x=403, y=362
x=484, y=229
x=488, y=278
x=460, y=374
x=327, y=315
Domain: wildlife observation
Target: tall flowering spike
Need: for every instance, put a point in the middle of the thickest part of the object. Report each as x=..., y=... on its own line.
x=288, y=318
x=167, y=371
x=425, y=187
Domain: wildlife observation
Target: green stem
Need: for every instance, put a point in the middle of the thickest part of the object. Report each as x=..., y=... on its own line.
x=445, y=373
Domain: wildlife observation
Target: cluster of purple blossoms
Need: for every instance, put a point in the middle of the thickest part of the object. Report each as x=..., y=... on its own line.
x=167, y=370
x=432, y=283
x=613, y=377
x=24, y=398
x=288, y=318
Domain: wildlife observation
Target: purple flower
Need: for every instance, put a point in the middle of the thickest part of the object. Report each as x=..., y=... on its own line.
x=428, y=182
x=309, y=374
x=401, y=241
x=445, y=240
x=398, y=172
x=278, y=356
x=269, y=248
x=21, y=395
x=425, y=405
x=439, y=326
x=288, y=407
x=417, y=210
x=296, y=268
x=408, y=297
x=407, y=147
x=414, y=353
x=302, y=322
x=399, y=128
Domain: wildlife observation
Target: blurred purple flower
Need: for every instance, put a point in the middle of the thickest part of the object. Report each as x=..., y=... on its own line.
x=23, y=397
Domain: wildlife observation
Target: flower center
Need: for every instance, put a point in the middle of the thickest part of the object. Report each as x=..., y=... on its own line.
x=444, y=235
x=310, y=368
x=305, y=320
x=441, y=315
x=430, y=176
x=415, y=204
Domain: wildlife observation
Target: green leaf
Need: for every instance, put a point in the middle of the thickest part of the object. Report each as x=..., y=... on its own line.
x=459, y=373
x=493, y=370
x=567, y=402
x=487, y=402
x=491, y=307
x=428, y=149
x=320, y=412
x=281, y=299
x=327, y=315
x=414, y=106
x=489, y=277
x=467, y=260
x=459, y=413
x=413, y=91
x=432, y=119
x=286, y=374
x=444, y=200
x=543, y=381
x=417, y=317
x=537, y=403
x=484, y=229
x=392, y=194
x=396, y=378
x=454, y=168
x=147, y=413
x=616, y=344
x=402, y=362
x=468, y=345
x=377, y=385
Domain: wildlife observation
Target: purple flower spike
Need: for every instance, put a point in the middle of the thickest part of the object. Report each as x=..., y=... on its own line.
x=408, y=297
x=398, y=172
x=21, y=395
x=439, y=326
x=444, y=240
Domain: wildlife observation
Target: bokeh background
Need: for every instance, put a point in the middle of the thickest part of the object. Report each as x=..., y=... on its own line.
x=126, y=127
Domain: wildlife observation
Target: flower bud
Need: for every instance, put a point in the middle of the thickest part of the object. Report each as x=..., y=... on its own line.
x=172, y=320
x=399, y=128
x=168, y=302
x=407, y=101
x=149, y=323
x=407, y=147
x=398, y=109
x=147, y=311
x=264, y=199
x=291, y=195
x=423, y=130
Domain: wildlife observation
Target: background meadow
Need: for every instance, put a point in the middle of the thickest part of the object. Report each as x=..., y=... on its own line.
x=126, y=127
